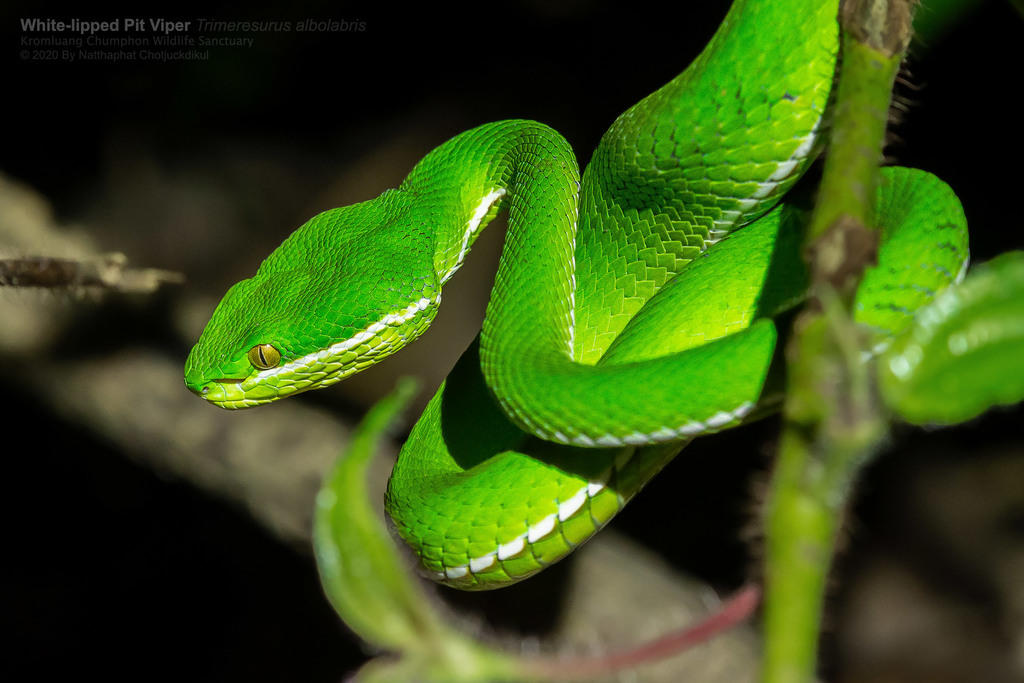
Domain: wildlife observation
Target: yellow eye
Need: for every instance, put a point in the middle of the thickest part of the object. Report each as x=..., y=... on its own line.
x=264, y=356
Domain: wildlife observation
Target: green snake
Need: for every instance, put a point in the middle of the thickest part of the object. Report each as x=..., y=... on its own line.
x=629, y=313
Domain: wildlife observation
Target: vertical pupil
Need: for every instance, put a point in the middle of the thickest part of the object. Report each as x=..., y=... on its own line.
x=263, y=358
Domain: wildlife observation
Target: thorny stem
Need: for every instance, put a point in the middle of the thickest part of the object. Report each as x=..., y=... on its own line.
x=832, y=420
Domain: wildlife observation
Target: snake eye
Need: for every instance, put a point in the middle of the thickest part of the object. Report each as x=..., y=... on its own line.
x=264, y=356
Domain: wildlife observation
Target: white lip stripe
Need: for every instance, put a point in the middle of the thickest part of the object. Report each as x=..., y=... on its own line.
x=635, y=439
x=572, y=279
x=583, y=440
x=784, y=169
x=472, y=226
x=691, y=429
x=963, y=270
x=541, y=529
x=533, y=533
x=716, y=421
x=808, y=142
x=512, y=548
x=456, y=572
x=720, y=418
x=478, y=564
x=389, y=320
x=664, y=434
x=568, y=508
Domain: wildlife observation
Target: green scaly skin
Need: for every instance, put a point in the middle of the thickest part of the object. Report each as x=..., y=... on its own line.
x=615, y=332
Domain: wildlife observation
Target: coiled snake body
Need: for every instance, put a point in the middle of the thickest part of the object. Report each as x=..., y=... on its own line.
x=633, y=309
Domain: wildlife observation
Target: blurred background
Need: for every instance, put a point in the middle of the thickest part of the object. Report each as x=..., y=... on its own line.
x=148, y=535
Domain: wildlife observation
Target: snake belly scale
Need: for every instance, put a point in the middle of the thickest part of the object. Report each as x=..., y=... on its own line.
x=633, y=308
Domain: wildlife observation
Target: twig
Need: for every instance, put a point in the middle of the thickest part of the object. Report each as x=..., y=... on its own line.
x=105, y=272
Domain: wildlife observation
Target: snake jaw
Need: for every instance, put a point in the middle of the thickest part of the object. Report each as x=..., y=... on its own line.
x=234, y=394
x=320, y=368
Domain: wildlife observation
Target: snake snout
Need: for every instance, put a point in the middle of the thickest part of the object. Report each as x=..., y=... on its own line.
x=220, y=392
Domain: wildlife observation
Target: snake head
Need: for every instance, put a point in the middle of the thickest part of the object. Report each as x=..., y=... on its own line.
x=332, y=300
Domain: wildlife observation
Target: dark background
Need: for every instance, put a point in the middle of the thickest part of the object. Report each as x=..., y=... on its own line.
x=106, y=565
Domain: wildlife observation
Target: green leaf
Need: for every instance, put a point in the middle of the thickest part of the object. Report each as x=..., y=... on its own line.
x=965, y=352
x=371, y=588
x=360, y=569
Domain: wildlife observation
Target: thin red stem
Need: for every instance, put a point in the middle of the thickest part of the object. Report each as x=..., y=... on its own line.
x=735, y=610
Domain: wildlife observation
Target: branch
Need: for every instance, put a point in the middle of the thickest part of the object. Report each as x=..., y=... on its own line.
x=833, y=421
x=107, y=271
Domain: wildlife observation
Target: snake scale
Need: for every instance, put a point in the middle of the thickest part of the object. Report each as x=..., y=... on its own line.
x=634, y=307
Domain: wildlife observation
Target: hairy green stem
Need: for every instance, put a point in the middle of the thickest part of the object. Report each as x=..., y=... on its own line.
x=833, y=421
